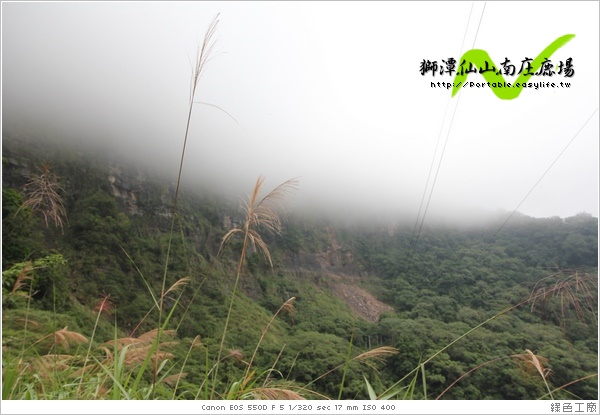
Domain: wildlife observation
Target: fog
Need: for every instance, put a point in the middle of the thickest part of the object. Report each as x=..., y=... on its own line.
x=329, y=93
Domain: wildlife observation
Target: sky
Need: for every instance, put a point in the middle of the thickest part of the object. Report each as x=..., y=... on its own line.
x=328, y=92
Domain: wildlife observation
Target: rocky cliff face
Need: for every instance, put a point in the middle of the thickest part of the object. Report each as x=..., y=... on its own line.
x=336, y=270
x=334, y=258
x=123, y=185
x=138, y=193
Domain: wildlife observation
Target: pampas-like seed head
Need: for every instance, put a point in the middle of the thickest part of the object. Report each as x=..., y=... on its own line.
x=204, y=55
x=24, y=275
x=42, y=194
x=276, y=394
x=103, y=305
x=150, y=336
x=236, y=354
x=262, y=213
x=378, y=353
x=532, y=363
x=65, y=337
x=47, y=364
x=178, y=285
x=577, y=291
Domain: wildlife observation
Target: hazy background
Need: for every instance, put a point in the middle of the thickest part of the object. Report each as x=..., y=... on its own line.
x=327, y=92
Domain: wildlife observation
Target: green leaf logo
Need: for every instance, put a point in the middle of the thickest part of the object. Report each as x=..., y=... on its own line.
x=480, y=58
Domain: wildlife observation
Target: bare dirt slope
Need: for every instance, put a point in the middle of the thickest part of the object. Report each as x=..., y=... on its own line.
x=338, y=270
x=362, y=303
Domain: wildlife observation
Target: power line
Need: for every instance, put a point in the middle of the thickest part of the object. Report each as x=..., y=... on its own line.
x=543, y=175
x=416, y=239
x=412, y=238
x=479, y=25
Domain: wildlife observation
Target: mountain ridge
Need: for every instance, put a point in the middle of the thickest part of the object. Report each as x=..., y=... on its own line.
x=364, y=283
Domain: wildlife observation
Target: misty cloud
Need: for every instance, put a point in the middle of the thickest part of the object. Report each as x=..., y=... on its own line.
x=329, y=93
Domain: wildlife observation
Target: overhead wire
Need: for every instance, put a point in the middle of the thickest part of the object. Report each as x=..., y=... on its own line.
x=415, y=239
x=542, y=176
x=412, y=238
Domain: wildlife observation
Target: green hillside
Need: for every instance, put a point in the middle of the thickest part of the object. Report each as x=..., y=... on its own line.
x=108, y=292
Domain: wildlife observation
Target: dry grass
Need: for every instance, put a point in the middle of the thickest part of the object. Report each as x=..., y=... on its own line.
x=141, y=343
x=275, y=394
x=203, y=56
x=151, y=335
x=533, y=364
x=43, y=195
x=196, y=343
x=22, y=287
x=236, y=354
x=53, y=362
x=138, y=355
x=375, y=355
x=65, y=338
x=109, y=356
x=177, y=286
x=288, y=307
x=367, y=358
x=24, y=276
x=132, y=353
x=378, y=353
x=576, y=291
x=104, y=305
x=24, y=321
x=530, y=363
x=262, y=212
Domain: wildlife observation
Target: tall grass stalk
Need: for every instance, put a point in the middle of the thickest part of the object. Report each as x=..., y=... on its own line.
x=424, y=379
x=202, y=58
x=538, y=363
x=527, y=358
x=260, y=212
x=27, y=311
x=346, y=364
x=103, y=306
x=273, y=365
x=14, y=370
x=373, y=354
x=287, y=306
x=593, y=375
x=195, y=343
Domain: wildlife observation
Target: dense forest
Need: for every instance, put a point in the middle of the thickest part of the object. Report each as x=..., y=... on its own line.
x=109, y=292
